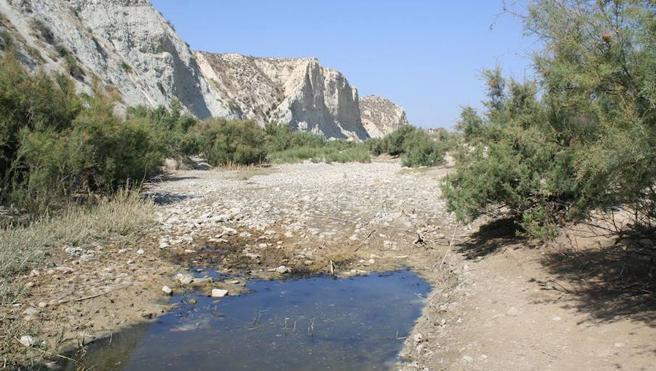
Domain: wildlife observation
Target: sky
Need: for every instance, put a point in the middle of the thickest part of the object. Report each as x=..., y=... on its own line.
x=426, y=55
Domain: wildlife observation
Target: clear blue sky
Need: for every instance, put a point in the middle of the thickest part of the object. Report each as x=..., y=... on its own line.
x=426, y=55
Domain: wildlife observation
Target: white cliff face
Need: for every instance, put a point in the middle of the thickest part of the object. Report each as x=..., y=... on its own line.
x=381, y=116
x=124, y=43
x=297, y=92
x=129, y=46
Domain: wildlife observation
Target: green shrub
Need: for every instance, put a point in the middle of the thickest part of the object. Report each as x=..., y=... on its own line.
x=421, y=150
x=350, y=153
x=72, y=65
x=415, y=146
x=376, y=146
x=98, y=155
x=54, y=147
x=174, y=128
x=334, y=151
x=232, y=142
x=395, y=141
x=579, y=139
x=126, y=67
x=281, y=137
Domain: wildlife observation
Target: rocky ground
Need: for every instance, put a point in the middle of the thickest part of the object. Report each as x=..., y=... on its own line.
x=494, y=306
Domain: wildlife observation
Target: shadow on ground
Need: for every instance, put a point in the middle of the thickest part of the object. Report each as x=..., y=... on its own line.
x=611, y=282
x=491, y=237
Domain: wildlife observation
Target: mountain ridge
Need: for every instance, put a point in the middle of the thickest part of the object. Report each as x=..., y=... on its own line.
x=129, y=45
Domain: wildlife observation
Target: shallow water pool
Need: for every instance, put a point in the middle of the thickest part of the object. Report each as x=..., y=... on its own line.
x=318, y=323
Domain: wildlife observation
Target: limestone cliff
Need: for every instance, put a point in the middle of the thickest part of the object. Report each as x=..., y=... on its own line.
x=381, y=116
x=123, y=43
x=130, y=46
x=298, y=92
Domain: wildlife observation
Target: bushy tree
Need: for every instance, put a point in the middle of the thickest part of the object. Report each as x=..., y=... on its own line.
x=174, y=126
x=416, y=147
x=280, y=137
x=55, y=145
x=232, y=142
x=578, y=139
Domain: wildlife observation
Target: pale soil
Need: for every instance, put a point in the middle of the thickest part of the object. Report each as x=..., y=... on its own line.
x=492, y=309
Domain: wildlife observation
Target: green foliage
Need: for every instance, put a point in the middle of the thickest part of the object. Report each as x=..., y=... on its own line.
x=421, y=150
x=415, y=146
x=72, y=66
x=126, y=67
x=587, y=142
x=282, y=137
x=330, y=151
x=232, y=142
x=174, y=127
x=55, y=146
x=395, y=142
x=287, y=146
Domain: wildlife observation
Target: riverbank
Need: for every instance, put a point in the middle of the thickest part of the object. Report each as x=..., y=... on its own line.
x=492, y=299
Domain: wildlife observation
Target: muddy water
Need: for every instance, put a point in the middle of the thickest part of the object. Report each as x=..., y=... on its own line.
x=318, y=323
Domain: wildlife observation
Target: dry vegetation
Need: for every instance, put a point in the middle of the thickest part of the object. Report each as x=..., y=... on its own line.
x=120, y=220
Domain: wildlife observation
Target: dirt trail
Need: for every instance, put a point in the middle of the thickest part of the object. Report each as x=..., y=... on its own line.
x=492, y=309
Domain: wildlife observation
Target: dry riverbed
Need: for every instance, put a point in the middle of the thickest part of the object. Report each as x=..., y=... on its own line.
x=487, y=311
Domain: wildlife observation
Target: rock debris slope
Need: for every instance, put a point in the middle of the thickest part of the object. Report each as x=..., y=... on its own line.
x=380, y=116
x=298, y=92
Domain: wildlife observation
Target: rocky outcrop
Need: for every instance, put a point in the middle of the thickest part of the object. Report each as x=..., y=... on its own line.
x=123, y=43
x=129, y=46
x=381, y=116
x=298, y=92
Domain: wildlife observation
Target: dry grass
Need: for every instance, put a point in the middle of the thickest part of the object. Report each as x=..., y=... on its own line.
x=24, y=248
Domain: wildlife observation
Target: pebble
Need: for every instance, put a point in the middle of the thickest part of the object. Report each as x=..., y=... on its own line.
x=184, y=279
x=43, y=304
x=283, y=269
x=27, y=341
x=219, y=293
x=468, y=359
x=140, y=252
x=31, y=311
x=167, y=290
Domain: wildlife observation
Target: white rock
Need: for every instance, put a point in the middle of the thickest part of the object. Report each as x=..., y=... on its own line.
x=31, y=311
x=380, y=116
x=167, y=290
x=283, y=269
x=184, y=279
x=140, y=252
x=27, y=341
x=219, y=293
